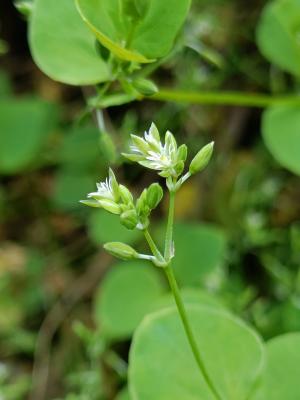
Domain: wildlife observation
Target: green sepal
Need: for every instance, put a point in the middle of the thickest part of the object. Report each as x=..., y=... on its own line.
x=129, y=219
x=121, y=250
x=154, y=195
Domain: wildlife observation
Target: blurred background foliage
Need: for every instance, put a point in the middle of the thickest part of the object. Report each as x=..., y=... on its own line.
x=67, y=310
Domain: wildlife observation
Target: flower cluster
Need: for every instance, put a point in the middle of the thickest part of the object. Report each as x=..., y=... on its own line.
x=151, y=153
x=117, y=199
x=168, y=159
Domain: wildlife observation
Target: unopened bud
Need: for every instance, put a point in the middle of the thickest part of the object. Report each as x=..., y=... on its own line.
x=129, y=219
x=145, y=86
x=201, y=159
x=154, y=195
x=121, y=250
x=125, y=194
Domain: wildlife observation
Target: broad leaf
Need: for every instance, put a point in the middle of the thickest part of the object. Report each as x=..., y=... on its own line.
x=146, y=29
x=281, y=133
x=24, y=126
x=62, y=46
x=281, y=377
x=278, y=34
x=125, y=296
x=191, y=296
x=162, y=366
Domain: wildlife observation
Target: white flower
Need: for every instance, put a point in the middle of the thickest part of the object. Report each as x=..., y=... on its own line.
x=151, y=153
x=107, y=195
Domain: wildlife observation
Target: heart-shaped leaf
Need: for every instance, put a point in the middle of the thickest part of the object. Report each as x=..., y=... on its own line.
x=162, y=366
x=62, y=46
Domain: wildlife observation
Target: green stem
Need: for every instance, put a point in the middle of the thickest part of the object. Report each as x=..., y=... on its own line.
x=153, y=246
x=178, y=300
x=169, y=232
x=188, y=330
x=225, y=98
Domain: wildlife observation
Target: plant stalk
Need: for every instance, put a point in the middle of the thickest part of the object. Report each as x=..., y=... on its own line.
x=226, y=98
x=188, y=330
x=177, y=296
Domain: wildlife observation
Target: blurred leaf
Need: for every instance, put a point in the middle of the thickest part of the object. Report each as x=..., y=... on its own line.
x=199, y=250
x=278, y=34
x=24, y=126
x=123, y=395
x=149, y=34
x=5, y=85
x=70, y=187
x=159, y=355
x=281, y=134
x=191, y=296
x=127, y=293
x=105, y=227
x=62, y=46
x=281, y=377
x=80, y=148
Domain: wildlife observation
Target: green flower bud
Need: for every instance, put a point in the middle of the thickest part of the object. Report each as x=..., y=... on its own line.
x=142, y=207
x=129, y=219
x=154, y=195
x=182, y=153
x=201, y=159
x=121, y=250
x=125, y=194
x=145, y=86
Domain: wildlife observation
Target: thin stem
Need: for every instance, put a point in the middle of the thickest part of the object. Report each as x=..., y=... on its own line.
x=153, y=246
x=169, y=232
x=225, y=98
x=188, y=330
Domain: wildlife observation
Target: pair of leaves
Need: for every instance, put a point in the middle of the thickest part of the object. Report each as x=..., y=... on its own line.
x=62, y=38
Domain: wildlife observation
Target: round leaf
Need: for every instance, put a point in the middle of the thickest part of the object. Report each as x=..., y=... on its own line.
x=24, y=126
x=278, y=34
x=149, y=28
x=62, y=46
x=125, y=296
x=281, y=377
x=281, y=133
x=162, y=366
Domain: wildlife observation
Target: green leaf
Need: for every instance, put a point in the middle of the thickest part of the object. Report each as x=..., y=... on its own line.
x=125, y=296
x=191, y=296
x=80, y=148
x=199, y=250
x=123, y=395
x=281, y=134
x=70, y=187
x=62, y=46
x=281, y=377
x=149, y=34
x=105, y=227
x=278, y=34
x=24, y=127
x=162, y=366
